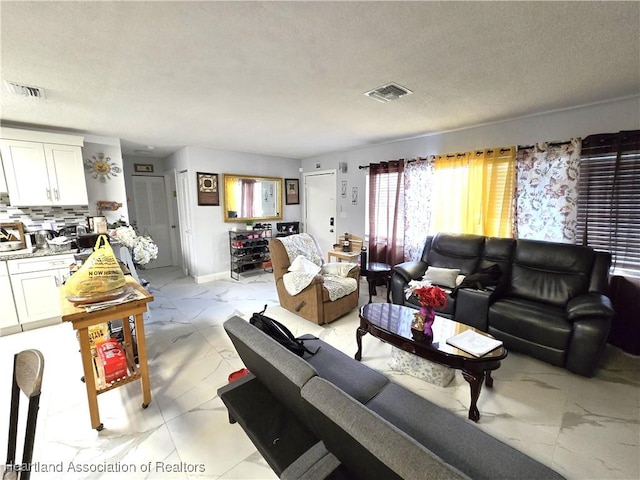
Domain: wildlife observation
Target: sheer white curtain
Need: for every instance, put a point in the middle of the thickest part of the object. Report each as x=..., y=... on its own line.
x=418, y=189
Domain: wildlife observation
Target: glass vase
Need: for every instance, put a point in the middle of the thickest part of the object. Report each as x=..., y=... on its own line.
x=421, y=325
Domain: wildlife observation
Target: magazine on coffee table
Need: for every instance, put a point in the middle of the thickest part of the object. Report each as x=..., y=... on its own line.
x=474, y=343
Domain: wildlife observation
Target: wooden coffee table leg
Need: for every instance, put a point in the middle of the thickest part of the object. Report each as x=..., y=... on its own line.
x=359, y=333
x=475, y=381
x=488, y=379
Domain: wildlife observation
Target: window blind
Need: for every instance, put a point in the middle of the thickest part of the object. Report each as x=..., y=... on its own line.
x=608, y=200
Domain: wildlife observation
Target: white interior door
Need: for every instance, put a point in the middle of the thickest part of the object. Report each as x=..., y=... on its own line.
x=172, y=208
x=320, y=208
x=152, y=215
x=185, y=224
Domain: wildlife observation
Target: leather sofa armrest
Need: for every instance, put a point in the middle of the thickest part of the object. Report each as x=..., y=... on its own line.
x=592, y=315
x=472, y=307
x=402, y=274
x=590, y=305
x=410, y=270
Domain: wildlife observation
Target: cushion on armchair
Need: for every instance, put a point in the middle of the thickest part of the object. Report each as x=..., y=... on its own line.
x=301, y=264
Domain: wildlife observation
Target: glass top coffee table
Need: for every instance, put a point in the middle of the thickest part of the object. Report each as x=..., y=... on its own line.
x=392, y=324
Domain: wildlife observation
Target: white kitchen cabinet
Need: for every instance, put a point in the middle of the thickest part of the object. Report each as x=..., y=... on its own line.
x=35, y=283
x=9, y=318
x=43, y=173
x=3, y=182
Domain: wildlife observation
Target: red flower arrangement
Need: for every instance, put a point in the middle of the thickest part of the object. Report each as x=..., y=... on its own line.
x=430, y=297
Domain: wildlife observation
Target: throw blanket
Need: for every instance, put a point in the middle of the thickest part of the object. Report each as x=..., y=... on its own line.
x=302, y=244
x=306, y=262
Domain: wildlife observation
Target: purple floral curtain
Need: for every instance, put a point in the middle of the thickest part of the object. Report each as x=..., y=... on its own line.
x=547, y=191
x=418, y=188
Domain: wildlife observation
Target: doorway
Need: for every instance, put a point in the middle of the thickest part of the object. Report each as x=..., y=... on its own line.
x=184, y=220
x=320, y=208
x=152, y=216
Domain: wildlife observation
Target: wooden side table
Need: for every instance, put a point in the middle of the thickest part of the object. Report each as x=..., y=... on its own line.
x=81, y=320
x=347, y=256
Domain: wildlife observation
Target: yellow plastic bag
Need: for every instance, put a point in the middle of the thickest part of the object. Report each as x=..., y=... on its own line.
x=100, y=273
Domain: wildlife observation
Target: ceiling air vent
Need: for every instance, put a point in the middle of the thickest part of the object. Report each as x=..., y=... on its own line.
x=25, y=90
x=388, y=92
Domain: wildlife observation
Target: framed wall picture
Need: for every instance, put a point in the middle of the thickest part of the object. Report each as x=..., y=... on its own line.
x=292, y=191
x=143, y=167
x=208, y=189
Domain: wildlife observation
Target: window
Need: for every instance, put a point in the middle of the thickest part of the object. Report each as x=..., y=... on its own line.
x=608, y=199
x=386, y=193
x=474, y=192
x=386, y=212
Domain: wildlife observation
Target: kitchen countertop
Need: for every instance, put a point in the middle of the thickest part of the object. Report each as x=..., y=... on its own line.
x=38, y=252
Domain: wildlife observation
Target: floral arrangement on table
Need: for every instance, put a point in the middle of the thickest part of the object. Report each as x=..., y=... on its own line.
x=143, y=248
x=430, y=297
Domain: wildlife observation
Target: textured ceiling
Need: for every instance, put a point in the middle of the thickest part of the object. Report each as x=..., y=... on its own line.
x=287, y=78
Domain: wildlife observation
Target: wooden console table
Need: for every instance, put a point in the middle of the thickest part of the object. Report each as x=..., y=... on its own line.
x=82, y=320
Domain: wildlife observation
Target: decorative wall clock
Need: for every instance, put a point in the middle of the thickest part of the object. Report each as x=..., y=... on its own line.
x=101, y=167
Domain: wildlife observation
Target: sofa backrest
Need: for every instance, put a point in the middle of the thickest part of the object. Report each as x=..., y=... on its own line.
x=281, y=371
x=599, y=282
x=552, y=273
x=366, y=444
x=449, y=250
x=498, y=251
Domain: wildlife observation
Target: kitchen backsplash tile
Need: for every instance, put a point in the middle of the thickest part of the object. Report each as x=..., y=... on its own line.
x=33, y=218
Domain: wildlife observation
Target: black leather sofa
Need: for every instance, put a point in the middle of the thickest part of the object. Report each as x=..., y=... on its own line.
x=551, y=301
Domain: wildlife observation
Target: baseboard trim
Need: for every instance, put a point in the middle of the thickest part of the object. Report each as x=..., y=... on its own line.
x=212, y=276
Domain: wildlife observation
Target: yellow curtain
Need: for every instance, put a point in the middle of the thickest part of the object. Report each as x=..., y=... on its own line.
x=498, y=187
x=231, y=191
x=474, y=192
x=451, y=187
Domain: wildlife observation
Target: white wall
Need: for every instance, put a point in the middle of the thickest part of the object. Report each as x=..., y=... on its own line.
x=112, y=190
x=211, y=238
x=623, y=114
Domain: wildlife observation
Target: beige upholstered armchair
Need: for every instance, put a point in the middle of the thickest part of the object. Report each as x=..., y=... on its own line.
x=313, y=302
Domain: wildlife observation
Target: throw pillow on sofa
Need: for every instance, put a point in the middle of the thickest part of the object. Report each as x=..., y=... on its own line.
x=443, y=277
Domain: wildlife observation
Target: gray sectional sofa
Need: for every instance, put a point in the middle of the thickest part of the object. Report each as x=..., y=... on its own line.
x=551, y=302
x=329, y=416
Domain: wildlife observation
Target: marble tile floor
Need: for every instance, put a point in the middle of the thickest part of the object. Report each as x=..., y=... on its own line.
x=583, y=428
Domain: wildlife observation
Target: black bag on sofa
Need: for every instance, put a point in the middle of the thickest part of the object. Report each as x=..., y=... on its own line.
x=483, y=278
x=279, y=333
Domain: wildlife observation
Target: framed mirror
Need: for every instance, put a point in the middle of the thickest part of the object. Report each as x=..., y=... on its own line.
x=249, y=198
